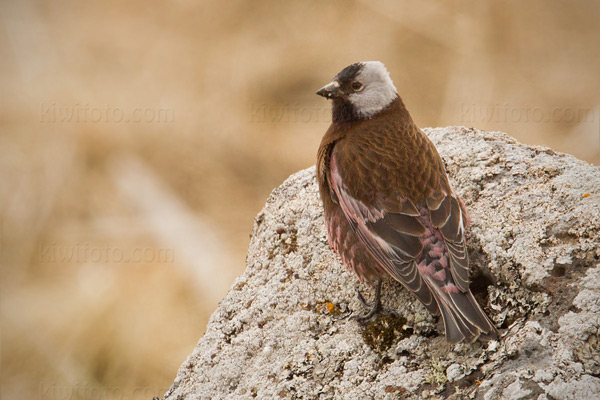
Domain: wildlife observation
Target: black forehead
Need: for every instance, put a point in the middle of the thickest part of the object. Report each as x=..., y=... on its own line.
x=349, y=73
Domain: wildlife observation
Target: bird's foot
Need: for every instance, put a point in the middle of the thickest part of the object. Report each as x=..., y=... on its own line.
x=373, y=308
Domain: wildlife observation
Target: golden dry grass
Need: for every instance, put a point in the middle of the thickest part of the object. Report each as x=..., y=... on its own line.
x=222, y=108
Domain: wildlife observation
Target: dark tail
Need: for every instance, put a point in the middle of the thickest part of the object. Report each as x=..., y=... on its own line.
x=464, y=320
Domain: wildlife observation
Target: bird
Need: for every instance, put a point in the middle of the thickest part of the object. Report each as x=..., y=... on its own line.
x=388, y=205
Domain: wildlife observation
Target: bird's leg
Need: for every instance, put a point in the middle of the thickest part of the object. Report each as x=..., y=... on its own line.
x=375, y=306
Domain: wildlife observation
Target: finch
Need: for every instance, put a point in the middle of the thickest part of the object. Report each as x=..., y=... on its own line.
x=388, y=204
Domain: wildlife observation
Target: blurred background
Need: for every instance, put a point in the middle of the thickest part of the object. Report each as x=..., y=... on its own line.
x=139, y=139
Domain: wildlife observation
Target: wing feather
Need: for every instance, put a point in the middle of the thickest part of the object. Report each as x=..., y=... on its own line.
x=391, y=238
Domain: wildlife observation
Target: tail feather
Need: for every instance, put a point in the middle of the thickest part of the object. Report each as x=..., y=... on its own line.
x=463, y=318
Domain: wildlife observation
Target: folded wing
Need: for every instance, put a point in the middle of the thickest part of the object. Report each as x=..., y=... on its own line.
x=423, y=247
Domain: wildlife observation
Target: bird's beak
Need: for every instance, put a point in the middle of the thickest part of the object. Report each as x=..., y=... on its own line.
x=330, y=90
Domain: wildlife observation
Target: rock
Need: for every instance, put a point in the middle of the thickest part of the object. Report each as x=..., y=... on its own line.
x=454, y=372
x=283, y=329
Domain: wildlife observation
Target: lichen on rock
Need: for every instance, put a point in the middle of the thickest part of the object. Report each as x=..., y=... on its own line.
x=283, y=329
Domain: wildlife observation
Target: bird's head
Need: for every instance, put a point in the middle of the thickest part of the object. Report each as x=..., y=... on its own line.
x=361, y=89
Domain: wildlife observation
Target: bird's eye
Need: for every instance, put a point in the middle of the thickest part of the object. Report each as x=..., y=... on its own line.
x=356, y=86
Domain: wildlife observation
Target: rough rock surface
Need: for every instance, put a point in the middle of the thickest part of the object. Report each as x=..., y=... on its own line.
x=283, y=329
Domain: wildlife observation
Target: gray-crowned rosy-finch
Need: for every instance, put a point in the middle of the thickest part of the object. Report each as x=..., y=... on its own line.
x=389, y=208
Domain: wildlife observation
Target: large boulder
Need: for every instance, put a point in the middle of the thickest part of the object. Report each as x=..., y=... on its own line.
x=283, y=330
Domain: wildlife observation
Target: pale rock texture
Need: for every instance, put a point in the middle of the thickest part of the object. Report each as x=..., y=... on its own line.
x=283, y=331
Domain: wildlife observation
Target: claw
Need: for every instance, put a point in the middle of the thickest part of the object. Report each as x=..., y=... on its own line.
x=374, y=307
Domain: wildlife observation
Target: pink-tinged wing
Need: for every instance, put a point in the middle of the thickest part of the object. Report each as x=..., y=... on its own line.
x=392, y=238
x=423, y=247
x=448, y=215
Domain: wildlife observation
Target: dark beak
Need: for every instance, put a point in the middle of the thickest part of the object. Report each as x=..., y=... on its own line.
x=330, y=91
